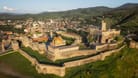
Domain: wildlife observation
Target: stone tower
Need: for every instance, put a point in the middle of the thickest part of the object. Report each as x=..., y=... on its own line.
x=104, y=32
x=103, y=27
x=15, y=45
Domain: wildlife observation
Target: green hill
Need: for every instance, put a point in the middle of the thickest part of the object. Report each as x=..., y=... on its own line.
x=124, y=17
x=81, y=12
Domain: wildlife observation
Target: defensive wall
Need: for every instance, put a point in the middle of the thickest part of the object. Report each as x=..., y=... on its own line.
x=110, y=46
x=100, y=56
x=73, y=51
x=78, y=39
x=60, y=70
x=44, y=68
x=27, y=42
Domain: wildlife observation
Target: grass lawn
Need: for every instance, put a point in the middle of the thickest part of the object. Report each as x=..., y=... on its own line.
x=123, y=64
x=41, y=58
x=20, y=66
x=44, y=60
x=2, y=75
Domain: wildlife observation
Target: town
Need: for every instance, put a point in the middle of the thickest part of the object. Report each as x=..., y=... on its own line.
x=79, y=42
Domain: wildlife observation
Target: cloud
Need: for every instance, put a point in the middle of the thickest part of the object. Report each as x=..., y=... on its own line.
x=8, y=8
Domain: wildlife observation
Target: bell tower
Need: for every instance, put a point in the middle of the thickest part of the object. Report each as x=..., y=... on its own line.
x=103, y=28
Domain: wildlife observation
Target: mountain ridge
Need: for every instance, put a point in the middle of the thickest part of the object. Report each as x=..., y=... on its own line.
x=92, y=11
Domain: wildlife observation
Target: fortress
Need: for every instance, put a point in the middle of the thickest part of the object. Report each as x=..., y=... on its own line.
x=57, y=48
x=60, y=70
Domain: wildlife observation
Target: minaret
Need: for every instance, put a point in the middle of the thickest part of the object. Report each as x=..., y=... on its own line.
x=103, y=28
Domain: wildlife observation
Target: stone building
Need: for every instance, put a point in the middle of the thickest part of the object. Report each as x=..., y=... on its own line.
x=28, y=42
x=103, y=27
x=107, y=34
x=58, y=47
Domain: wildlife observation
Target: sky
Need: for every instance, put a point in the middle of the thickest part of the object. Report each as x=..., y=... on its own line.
x=37, y=6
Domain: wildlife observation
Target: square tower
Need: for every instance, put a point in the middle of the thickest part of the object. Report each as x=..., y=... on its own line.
x=103, y=28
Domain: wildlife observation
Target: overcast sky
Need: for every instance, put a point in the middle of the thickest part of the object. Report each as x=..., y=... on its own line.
x=37, y=6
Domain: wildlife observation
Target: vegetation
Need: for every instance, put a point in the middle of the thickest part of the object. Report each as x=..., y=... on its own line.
x=69, y=40
x=6, y=76
x=10, y=28
x=123, y=64
x=125, y=18
x=43, y=59
x=39, y=57
x=83, y=34
x=120, y=65
x=82, y=12
x=83, y=47
x=20, y=66
x=118, y=38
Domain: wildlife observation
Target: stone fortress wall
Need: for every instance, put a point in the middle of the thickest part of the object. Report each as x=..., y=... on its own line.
x=77, y=53
x=100, y=56
x=40, y=47
x=60, y=70
x=69, y=54
x=62, y=52
x=78, y=39
x=108, y=46
x=44, y=68
x=56, y=54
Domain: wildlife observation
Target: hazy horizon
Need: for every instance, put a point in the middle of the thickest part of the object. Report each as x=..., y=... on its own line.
x=38, y=6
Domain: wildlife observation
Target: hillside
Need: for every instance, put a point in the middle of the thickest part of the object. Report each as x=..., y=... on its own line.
x=124, y=64
x=81, y=12
x=124, y=17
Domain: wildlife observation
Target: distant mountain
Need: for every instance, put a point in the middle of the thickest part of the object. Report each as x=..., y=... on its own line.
x=82, y=12
x=122, y=12
x=124, y=17
x=128, y=5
